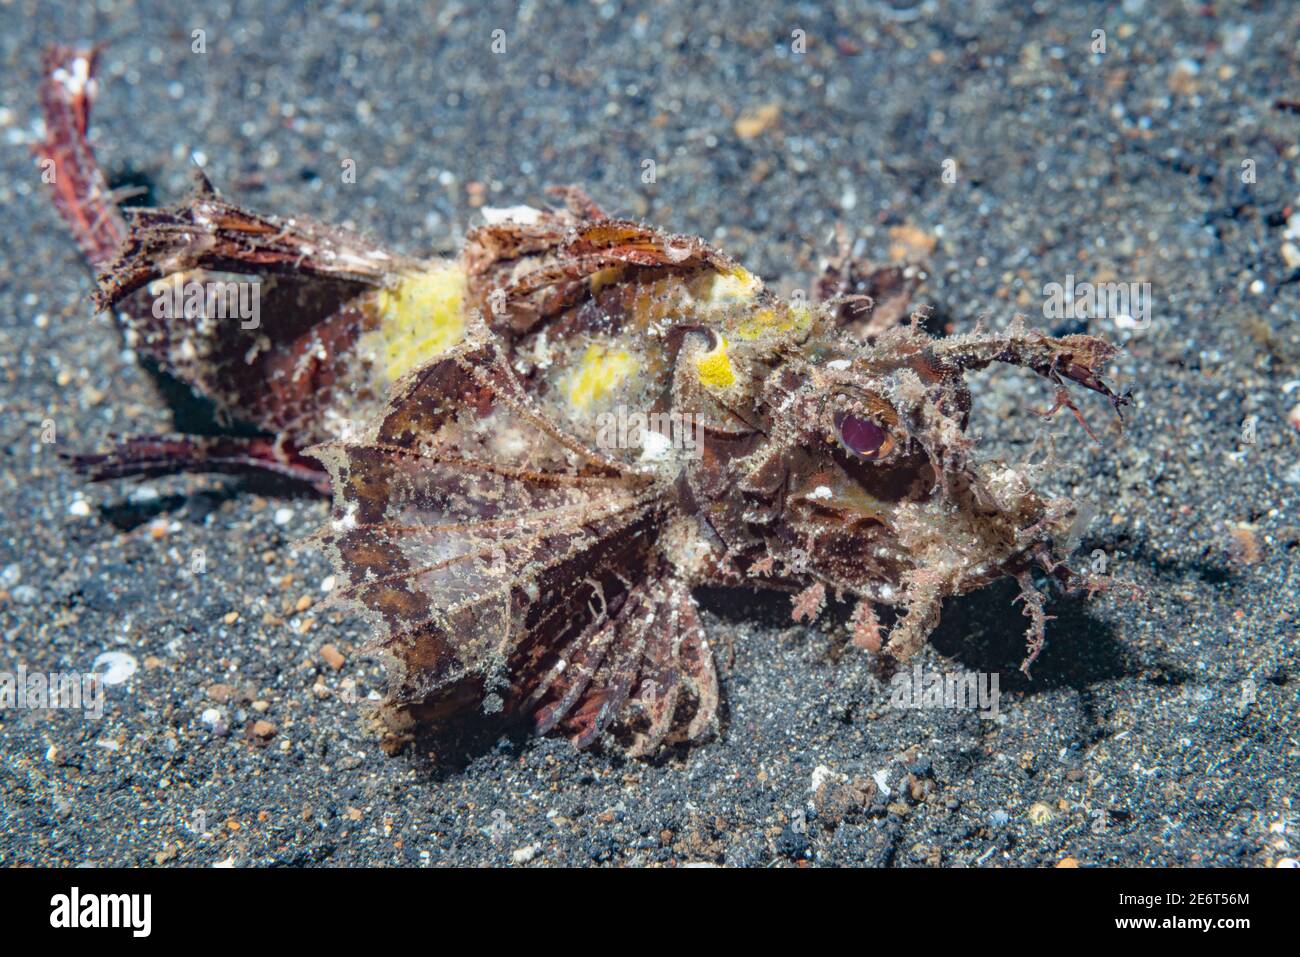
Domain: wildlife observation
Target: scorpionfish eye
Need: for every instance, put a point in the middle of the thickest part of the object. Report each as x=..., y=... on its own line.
x=862, y=437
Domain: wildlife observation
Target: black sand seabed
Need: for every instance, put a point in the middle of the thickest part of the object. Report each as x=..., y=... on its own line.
x=1159, y=728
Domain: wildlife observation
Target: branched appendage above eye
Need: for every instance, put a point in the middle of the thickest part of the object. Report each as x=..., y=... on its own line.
x=1073, y=358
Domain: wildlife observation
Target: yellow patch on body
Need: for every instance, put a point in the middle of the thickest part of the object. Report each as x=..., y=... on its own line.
x=419, y=318
x=714, y=367
x=776, y=319
x=600, y=371
x=735, y=295
x=675, y=298
x=738, y=285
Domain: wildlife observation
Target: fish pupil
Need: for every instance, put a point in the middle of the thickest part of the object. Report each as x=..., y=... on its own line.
x=861, y=436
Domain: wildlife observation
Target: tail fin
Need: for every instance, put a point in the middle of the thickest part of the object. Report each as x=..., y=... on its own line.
x=81, y=193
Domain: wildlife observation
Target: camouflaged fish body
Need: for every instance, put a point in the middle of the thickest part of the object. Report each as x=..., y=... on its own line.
x=538, y=449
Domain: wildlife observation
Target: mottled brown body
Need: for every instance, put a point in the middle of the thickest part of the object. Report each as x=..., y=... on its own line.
x=536, y=452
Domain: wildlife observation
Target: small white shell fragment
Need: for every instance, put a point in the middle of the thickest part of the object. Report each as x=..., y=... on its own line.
x=822, y=774
x=523, y=855
x=654, y=446
x=881, y=778
x=115, y=667
x=144, y=495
